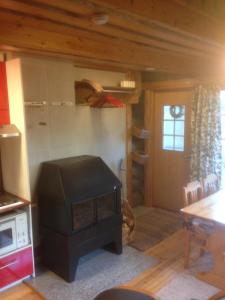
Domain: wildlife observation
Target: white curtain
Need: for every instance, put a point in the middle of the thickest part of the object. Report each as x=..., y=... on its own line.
x=206, y=150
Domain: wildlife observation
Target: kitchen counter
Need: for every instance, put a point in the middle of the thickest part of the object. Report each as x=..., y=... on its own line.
x=9, y=202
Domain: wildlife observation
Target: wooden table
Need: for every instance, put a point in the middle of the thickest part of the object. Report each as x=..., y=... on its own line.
x=212, y=208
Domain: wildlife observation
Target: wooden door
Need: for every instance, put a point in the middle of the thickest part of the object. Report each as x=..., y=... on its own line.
x=171, y=151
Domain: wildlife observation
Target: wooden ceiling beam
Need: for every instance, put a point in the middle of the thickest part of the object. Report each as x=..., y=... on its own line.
x=172, y=15
x=47, y=37
x=78, y=61
x=215, y=8
x=85, y=23
x=61, y=12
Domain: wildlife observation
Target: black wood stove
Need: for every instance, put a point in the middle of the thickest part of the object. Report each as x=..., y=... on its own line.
x=80, y=210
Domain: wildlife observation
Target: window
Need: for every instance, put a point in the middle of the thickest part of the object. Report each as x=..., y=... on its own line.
x=173, y=127
x=222, y=109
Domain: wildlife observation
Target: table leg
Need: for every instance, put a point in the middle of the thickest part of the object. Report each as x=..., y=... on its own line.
x=216, y=245
x=187, y=247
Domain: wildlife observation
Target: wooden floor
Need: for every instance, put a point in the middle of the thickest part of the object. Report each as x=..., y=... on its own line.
x=169, y=252
x=20, y=292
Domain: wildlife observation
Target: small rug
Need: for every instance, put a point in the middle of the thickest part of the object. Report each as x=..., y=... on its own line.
x=152, y=226
x=186, y=287
x=96, y=272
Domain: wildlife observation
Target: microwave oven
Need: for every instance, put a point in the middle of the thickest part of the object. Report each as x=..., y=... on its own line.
x=13, y=231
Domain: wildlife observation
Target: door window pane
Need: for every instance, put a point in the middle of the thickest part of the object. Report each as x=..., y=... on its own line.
x=173, y=127
x=168, y=128
x=180, y=112
x=179, y=128
x=179, y=143
x=168, y=142
x=167, y=114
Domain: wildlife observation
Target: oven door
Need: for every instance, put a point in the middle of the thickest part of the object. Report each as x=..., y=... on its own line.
x=7, y=236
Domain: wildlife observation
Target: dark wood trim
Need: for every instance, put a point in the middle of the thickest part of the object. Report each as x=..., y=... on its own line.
x=166, y=85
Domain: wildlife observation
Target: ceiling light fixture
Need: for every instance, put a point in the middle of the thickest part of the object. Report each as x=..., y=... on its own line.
x=100, y=18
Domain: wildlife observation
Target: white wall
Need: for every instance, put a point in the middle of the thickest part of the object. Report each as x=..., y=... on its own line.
x=74, y=130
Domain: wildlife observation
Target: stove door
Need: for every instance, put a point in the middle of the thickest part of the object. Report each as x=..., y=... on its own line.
x=94, y=210
x=106, y=206
x=83, y=214
x=7, y=236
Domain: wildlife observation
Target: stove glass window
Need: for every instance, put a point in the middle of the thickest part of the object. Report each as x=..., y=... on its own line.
x=106, y=206
x=83, y=214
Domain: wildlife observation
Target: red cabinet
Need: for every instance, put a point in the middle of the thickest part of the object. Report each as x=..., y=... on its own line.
x=4, y=103
x=15, y=266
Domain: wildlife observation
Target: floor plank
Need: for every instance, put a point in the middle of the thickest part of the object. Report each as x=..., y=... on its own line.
x=20, y=292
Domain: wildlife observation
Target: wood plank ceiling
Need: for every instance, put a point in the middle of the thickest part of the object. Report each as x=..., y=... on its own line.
x=167, y=35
